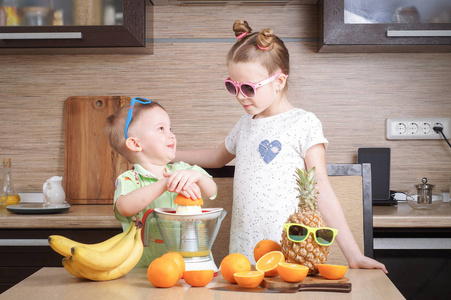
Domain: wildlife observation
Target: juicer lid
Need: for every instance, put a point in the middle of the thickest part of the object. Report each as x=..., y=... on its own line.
x=207, y=214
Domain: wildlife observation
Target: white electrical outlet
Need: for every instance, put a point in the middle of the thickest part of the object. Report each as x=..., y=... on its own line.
x=417, y=128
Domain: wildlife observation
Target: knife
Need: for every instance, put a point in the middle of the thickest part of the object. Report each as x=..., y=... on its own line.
x=320, y=287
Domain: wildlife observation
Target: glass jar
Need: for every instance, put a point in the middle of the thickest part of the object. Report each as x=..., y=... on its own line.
x=424, y=196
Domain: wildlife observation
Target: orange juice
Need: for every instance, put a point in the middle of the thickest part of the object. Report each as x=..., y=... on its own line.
x=193, y=253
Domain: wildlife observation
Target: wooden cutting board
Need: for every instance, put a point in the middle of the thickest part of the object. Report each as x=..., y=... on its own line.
x=310, y=283
x=91, y=165
x=277, y=285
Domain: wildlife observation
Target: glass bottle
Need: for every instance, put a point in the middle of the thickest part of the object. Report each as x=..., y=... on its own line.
x=8, y=191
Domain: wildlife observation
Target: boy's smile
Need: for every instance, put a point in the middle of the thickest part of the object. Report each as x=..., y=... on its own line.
x=158, y=143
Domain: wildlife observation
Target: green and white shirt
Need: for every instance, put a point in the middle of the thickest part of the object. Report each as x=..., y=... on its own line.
x=137, y=178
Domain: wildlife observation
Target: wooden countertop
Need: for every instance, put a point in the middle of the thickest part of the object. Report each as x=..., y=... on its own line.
x=78, y=216
x=101, y=216
x=403, y=216
x=57, y=283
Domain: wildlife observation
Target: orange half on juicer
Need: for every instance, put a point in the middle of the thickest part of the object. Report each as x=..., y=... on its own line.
x=188, y=206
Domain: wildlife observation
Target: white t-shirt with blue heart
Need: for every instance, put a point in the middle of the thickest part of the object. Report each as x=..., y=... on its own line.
x=267, y=153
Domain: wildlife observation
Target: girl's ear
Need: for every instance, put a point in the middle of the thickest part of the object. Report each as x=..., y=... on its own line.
x=281, y=81
x=133, y=144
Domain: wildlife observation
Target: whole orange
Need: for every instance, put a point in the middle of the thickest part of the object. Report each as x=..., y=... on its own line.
x=198, y=278
x=265, y=246
x=163, y=272
x=178, y=259
x=232, y=263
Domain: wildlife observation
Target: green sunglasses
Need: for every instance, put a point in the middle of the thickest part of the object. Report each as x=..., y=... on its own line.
x=298, y=233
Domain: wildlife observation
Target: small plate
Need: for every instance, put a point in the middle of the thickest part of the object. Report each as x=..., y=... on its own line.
x=38, y=208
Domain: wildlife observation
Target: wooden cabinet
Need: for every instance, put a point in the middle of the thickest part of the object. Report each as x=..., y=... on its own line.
x=127, y=36
x=341, y=30
x=417, y=260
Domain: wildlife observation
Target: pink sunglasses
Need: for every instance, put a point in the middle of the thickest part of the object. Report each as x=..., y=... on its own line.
x=247, y=89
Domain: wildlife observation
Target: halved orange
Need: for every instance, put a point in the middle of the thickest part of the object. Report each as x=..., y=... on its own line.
x=249, y=279
x=182, y=200
x=332, y=271
x=198, y=277
x=292, y=272
x=268, y=263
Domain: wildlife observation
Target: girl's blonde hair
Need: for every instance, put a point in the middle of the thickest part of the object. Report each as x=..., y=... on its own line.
x=263, y=47
x=116, y=125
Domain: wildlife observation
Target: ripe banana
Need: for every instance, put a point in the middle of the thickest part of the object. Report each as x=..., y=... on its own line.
x=109, y=259
x=63, y=245
x=70, y=268
x=119, y=271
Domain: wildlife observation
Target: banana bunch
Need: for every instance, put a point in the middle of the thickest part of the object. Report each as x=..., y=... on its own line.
x=107, y=260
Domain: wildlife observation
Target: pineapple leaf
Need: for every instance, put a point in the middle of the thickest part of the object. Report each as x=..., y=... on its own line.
x=306, y=186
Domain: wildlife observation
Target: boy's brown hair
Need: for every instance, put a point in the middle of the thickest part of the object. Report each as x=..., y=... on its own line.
x=115, y=129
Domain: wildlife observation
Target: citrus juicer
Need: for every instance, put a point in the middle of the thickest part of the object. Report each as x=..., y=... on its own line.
x=191, y=236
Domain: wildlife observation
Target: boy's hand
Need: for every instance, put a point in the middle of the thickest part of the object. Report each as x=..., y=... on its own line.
x=184, y=182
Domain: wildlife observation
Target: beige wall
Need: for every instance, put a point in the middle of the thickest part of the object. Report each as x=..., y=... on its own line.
x=352, y=94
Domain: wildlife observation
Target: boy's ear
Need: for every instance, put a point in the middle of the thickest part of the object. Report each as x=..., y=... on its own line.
x=133, y=144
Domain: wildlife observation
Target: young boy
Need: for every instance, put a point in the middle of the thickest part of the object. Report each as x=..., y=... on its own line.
x=142, y=134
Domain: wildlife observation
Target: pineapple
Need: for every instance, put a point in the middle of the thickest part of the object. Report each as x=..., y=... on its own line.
x=308, y=252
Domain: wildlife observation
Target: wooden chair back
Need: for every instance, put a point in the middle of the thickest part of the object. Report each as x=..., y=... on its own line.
x=352, y=186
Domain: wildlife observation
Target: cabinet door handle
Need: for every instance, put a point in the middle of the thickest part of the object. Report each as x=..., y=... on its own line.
x=24, y=242
x=418, y=33
x=40, y=35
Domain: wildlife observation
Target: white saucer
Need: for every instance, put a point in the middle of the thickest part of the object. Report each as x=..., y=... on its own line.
x=38, y=208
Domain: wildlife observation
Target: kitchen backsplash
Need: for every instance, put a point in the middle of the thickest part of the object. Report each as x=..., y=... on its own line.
x=352, y=94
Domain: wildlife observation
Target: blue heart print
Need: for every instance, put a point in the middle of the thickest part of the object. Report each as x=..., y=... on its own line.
x=269, y=150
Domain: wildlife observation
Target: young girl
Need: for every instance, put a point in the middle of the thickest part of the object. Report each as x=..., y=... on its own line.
x=270, y=140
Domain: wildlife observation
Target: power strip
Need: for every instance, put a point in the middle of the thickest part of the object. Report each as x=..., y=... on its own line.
x=416, y=128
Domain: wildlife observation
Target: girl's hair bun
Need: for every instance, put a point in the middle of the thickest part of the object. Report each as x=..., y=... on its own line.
x=240, y=27
x=265, y=39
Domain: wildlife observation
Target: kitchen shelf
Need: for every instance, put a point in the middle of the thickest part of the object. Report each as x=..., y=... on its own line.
x=129, y=37
x=336, y=35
